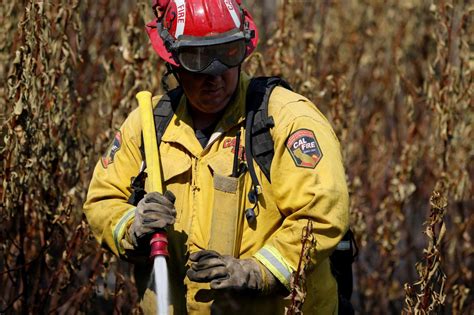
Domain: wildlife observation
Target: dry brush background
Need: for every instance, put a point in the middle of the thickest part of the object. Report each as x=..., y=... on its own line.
x=395, y=78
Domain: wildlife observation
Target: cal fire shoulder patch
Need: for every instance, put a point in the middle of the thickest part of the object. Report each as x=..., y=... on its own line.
x=114, y=147
x=304, y=148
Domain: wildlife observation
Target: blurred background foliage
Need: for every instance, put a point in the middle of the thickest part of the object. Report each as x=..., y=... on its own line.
x=395, y=78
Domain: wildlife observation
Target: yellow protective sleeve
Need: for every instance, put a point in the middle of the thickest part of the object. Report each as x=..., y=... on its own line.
x=106, y=206
x=303, y=193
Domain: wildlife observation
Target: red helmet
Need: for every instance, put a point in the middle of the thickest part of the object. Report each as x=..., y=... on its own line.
x=204, y=36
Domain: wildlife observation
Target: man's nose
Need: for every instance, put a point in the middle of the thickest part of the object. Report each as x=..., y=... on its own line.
x=215, y=68
x=214, y=79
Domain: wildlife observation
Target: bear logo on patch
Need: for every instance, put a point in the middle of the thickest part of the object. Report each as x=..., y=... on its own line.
x=304, y=148
x=108, y=157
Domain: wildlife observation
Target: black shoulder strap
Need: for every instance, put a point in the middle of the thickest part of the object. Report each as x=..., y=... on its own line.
x=259, y=141
x=164, y=111
x=162, y=115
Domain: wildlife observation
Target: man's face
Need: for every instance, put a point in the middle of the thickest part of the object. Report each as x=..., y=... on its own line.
x=209, y=94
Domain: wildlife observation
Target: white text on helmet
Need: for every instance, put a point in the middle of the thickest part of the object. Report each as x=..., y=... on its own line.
x=232, y=12
x=181, y=17
x=181, y=13
x=229, y=5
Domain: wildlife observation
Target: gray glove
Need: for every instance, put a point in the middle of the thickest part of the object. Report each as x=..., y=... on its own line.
x=154, y=212
x=227, y=272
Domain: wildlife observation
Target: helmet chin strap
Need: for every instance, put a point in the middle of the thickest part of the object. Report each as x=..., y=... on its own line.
x=170, y=70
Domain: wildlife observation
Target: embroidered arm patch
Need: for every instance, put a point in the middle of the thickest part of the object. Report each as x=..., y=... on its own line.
x=108, y=157
x=304, y=148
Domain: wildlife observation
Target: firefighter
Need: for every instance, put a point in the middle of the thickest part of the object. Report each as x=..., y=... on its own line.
x=219, y=261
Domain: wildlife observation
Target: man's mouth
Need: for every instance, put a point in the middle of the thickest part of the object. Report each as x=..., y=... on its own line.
x=213, y=90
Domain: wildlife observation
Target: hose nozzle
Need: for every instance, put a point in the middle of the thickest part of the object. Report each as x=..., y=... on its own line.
x=159, y=244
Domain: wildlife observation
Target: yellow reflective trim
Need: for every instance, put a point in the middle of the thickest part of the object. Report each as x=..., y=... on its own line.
x=274, y=261
x=120, y=228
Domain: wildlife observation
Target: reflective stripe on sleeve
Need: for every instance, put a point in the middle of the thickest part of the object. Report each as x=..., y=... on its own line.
x=271, y=258
x=120, y=228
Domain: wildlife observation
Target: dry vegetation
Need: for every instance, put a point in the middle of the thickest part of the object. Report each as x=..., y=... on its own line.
x=394, y=77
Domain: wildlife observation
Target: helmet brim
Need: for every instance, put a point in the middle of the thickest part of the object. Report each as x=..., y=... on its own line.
x=160, y=48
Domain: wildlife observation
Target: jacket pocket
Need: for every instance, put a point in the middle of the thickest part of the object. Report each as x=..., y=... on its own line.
x=176, y=176
x=227, y=213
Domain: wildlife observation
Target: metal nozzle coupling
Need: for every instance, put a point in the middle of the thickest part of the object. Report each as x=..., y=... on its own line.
x=159, y=244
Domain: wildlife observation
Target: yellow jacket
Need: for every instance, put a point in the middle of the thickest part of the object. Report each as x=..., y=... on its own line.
x=307, y=183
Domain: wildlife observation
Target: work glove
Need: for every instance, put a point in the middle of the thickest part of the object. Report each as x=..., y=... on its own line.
x=154, y=212
x=227, y=272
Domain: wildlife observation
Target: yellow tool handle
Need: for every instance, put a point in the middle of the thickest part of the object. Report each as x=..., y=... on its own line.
x=152, y=155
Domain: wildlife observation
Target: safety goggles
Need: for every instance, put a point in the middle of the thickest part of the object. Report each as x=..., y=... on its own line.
x=199, y=58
